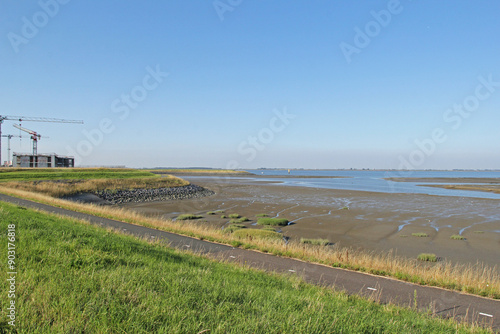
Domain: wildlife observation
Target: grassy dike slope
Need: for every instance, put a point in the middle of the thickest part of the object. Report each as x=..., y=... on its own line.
x=28, y=174
x=77, y=278
x=59, y=182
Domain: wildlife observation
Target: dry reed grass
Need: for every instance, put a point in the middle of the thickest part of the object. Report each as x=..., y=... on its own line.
x=477, y=279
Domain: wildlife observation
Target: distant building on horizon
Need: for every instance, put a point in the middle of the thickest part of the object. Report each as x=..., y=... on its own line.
x=47, y=160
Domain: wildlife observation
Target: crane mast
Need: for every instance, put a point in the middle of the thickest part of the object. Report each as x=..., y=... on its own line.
x=31, y=119
x=9, y=137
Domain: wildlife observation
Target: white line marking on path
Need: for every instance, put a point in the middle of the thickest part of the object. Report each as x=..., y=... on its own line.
x=373, y=289
x=485, y=314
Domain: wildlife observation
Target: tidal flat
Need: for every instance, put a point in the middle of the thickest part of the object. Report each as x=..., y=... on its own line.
x=370, y=221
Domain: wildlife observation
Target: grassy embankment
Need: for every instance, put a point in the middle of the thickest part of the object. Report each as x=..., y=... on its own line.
x=77, y=278
x=59, y=182
x=478, y=279
x=197, y=171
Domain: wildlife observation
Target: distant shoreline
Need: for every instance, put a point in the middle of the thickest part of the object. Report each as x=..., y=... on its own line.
x=491, y=185
x=491, y=180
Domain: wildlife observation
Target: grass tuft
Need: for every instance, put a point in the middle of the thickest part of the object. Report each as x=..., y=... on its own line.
x=215, y=212
x=188, y=216
x=420, y=235
x=257, y=234
x=273, y=221
x=239, y=220
x=457, y=237
x=318, y=242
x=234, y=216
x=262, y=215
x=427, y=257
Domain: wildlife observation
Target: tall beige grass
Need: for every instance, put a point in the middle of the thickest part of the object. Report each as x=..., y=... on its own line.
x=477, y=279
x=70, y=187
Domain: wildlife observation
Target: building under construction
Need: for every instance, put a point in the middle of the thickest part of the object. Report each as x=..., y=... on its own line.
x=34, y=159
x=42, y=160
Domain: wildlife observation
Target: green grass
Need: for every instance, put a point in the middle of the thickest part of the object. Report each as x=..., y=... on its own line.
x=269, y=228
x=33, y=174
x=457, y=237
x=234, y=216
x=188, y=216
x=78, y=278
x=239, y=220
x=223, y=217
x=420, y=235
x=262, y=215
x=318, y=242
x=427, y=257
x=273, y=221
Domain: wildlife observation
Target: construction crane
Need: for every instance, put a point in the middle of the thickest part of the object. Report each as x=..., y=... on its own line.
x=9, y=137
x=31, y=119
x=34, y=136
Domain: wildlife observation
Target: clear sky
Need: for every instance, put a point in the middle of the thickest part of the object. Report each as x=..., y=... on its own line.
x=255, y=83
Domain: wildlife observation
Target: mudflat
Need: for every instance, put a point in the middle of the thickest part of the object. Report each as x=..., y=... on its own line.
x=491, y=180
x=371, y=221
x=493, y=188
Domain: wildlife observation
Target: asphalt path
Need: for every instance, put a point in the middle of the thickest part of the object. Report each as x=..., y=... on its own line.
x=441, y=302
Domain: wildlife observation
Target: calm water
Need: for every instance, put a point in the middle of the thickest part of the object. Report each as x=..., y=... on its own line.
x=374, y=181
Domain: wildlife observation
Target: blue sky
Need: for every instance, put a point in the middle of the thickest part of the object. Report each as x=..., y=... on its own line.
x=240, y=83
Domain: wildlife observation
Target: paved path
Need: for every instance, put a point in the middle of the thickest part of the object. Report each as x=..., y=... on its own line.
x=443, y=302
